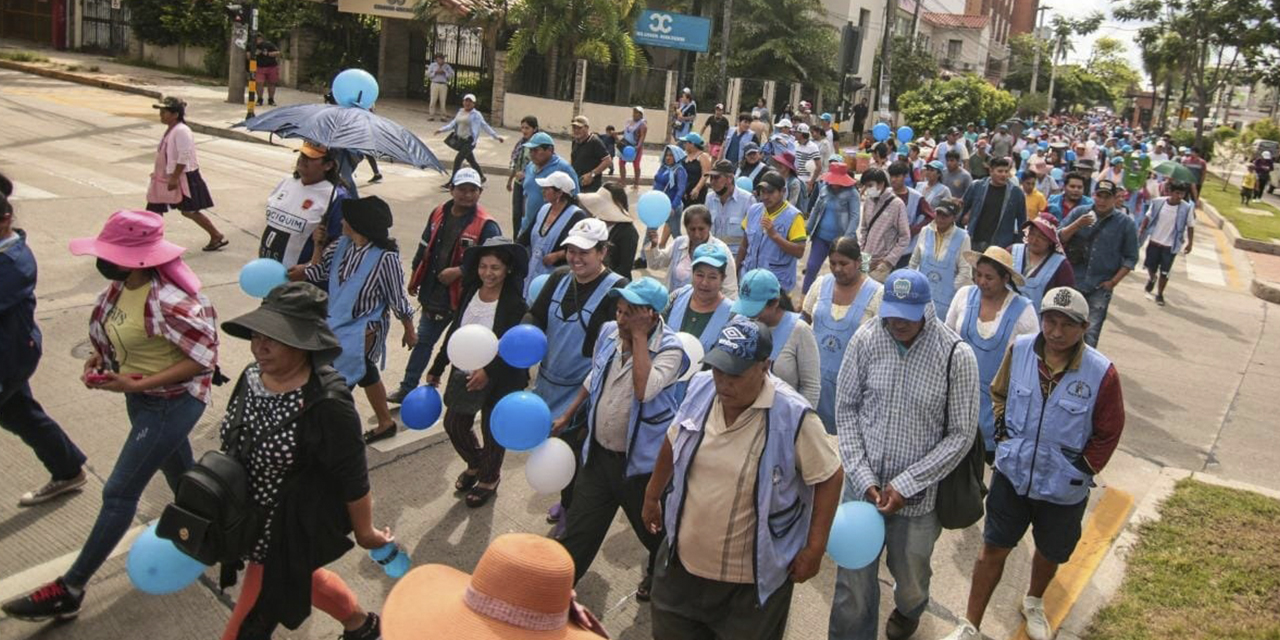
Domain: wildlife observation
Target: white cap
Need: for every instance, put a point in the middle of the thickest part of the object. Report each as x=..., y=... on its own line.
x=784, y=123
x=638, y=108
x=1067, y=301
x=466, y=175
x=802, y=128
x=558, y=180
x=1266, y=155
x=687, y=90
x=469, y=96
x=587, y=234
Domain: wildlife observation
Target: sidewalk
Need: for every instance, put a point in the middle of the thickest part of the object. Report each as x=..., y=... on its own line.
x=1266, y=266
x=208, y=111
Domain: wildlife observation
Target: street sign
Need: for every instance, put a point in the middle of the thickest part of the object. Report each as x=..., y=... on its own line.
x=240, y=35
x=115, y=4
x=672, y=30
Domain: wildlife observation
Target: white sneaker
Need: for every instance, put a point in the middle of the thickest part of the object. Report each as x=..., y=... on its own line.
x=963, y=631
x=1037, y=624
x=53, y=489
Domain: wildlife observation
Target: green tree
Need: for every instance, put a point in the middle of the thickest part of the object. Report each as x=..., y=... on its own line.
x=1063, y=31
x=598, y=31
x=1107, y=62
x=787, y=40
x=1077, y=87
x=1022, y=53
x=957, y=101
x=912, y=66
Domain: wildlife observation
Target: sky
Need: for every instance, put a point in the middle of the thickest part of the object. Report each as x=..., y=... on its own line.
x=1126, y=32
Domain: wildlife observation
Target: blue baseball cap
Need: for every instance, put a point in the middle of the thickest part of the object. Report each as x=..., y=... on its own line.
x=540, y=139
x=906, y=292
x=645, y=292
x=757, y=288
x=936, y=165
x=743, y=342
x=711, y=254
x=825, y=116
x=694, y=139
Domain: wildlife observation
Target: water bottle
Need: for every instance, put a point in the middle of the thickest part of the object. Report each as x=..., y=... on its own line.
x=393, y=558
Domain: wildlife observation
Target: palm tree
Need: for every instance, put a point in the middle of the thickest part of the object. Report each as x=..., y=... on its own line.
x=598, y=31
x=1063, y=29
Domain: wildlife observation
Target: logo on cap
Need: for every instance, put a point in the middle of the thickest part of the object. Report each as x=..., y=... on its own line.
x=1062, y=298
x=734, y=333
x=901, y=288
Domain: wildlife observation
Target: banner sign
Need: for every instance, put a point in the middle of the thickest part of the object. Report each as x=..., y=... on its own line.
x=672, y=30
x=402, y=9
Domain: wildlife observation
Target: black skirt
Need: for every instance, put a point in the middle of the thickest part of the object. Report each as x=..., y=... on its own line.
x=199, y=199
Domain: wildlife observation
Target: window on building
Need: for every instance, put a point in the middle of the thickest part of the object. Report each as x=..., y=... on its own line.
x=954, y=49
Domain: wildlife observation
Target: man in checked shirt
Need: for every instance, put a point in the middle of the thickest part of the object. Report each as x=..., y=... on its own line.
x=903, y=423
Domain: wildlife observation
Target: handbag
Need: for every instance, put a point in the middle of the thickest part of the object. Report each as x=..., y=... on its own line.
x=458, y=399
x=453, y=141
x=960, y=493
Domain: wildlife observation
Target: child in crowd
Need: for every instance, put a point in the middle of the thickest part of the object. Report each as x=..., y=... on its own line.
x=610, y=140
x=1248, y=184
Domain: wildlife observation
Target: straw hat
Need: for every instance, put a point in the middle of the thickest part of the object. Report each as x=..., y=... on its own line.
x=601, y=205
x=1000, y=257
x=522, y=589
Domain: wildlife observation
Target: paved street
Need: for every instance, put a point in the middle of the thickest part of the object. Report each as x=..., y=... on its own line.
x=1199, y=377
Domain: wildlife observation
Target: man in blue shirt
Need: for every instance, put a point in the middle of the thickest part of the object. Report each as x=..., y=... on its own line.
x=1102, y=249
x=543, y=162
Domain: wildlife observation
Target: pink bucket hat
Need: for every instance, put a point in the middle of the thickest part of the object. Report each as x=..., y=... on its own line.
x=1047, y=224
x=135, y=240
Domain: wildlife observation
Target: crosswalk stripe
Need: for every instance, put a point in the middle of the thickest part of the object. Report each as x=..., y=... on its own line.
x=24, y=191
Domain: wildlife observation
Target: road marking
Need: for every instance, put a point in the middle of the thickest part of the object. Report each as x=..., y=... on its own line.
x=24, y=191
x=1104, y=524
x=1226, y=254
x=28, y=580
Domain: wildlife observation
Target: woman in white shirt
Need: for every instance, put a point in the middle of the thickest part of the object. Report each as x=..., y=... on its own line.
x=677, y=256
x=297, y=207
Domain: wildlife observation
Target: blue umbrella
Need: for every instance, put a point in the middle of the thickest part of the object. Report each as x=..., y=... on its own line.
x=346, y=128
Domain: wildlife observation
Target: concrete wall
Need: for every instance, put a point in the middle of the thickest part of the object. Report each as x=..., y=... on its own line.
x=554, y=116
x=175, y=56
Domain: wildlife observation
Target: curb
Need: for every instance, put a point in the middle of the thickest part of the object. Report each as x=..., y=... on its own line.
x=1261, y=289
x=1268, y=291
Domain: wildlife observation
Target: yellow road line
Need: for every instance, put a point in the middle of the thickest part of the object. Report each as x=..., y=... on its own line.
x=1104, y=524
x=1225, y=253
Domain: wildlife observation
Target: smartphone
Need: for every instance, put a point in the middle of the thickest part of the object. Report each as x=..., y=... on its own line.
x=96, y=378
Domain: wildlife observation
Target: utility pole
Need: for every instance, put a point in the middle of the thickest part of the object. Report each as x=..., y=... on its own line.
x=724, y=50
x=1035, y=64
x=890, y=12
x=915, y=24
x=244, y=26
x=1053, y=71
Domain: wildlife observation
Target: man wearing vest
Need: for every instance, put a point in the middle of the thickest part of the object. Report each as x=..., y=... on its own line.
x=1167, y=222
x=994, y=210
x=746, y=486
x=1059, y=415
x=437, y=268
x=896, y=448
x=633, y=397
x=774, y=234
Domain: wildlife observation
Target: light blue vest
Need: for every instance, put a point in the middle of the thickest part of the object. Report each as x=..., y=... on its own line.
x=914, y=217
x=833, y=337
x=564, y=368
x=342, y=301
x=711, y=333
x=1037, y=284
x=941, y=273
x=990, y=353
x=541, y=245
x=783, y=504
x=782, y=333
x=1044, y=436
x=763, y=253
x=648, y=421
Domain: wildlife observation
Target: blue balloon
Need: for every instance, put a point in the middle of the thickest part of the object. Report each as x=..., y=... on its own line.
x=535, y=287
x=523, y=346
x=1071, y=156
x=520, y=421
x=744, y=183
x=259, y=277
x=1043, y=145
x=628, y=153
x=857, y=535
x=157, y=567
x=1056, y=174
x=881, y=132
x=355, y=88
x=905, y=134
x=1026, y=154
x=421, y=408
x=654, y=208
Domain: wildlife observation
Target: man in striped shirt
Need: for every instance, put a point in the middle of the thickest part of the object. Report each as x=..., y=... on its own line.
x=906, y=413
x=807, y=160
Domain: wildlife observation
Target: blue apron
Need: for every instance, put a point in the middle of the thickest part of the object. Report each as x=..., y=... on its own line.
x=1035, y=286
x=990, y=353
x=540, y=245
x=342, y=301
x=564, y=368
x=941, y=273
x=833, y=337
x=782, y=333
x=710, y=333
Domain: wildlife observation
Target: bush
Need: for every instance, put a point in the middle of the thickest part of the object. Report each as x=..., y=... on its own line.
x=1187, y=138
x=1261, y=130
x=1033, y=104
x=943, y=103
x=1224, y=133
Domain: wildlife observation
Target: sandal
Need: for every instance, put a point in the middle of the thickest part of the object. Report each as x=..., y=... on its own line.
x=479, y=496
x=216, y=246
x=645, y=588
x=465, y=481
x=374, y=435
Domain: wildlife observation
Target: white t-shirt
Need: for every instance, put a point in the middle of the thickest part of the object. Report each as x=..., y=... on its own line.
x=1162, y=233
x=294, y=210
x=480, y=312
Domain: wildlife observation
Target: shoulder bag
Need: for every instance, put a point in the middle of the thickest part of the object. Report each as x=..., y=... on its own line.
x=960, y=493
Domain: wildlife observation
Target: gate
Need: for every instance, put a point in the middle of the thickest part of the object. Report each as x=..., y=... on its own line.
x=105, y=24
x=464, y=50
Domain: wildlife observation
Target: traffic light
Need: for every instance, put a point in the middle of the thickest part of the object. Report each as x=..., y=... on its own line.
x=850, y=49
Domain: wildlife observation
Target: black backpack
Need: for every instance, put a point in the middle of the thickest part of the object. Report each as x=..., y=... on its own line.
x=213, y=517
x=960, y=492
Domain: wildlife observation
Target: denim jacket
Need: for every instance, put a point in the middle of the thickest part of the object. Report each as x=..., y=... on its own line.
x=849, y=210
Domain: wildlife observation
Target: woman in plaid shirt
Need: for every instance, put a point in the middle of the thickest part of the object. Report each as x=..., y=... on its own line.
x=155, y=340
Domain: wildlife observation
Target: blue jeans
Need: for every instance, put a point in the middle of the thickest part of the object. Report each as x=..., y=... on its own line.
x=157, y=441
x=22, y=416
x=430, y=328
x=1099, y=299
x=855, y=608
x=819, y=249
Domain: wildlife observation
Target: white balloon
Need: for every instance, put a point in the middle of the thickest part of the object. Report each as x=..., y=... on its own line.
x=693, y=347
x=550, y=466
x=472, y=347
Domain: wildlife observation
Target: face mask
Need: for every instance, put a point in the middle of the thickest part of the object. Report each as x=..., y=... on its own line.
x=111, y=271
x=873, y=192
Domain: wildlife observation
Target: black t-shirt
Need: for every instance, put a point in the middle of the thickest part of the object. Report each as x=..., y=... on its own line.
x=575, y=296
x=435, y=295
x=264, y=48
x=719, y=126
x=989, y=221
x=587, y=156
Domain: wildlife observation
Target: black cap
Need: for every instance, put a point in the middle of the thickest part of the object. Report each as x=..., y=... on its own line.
x=172, y=103
x=1105, y=185
x=723, y=167
x=773, y=180
x=369, y=216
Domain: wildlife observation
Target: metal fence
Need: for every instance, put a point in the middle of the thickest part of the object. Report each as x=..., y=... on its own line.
x=106, y=29
x=463, y=48
x=535, y=78
x=611, y=84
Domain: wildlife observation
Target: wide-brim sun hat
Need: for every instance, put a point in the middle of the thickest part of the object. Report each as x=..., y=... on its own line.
x=838, y=175
x=517, y=255
x=294, y=314
x=522, y=589
x=601, y=206
x=1001, y=257
x=130, y=239
x=1047, y=224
